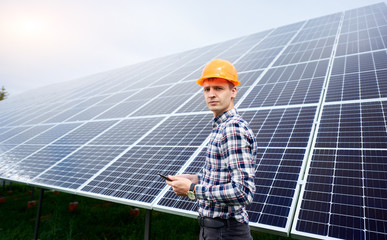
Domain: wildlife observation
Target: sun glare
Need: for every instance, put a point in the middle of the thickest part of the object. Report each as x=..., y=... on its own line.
x=29, y=27
x=27, y=32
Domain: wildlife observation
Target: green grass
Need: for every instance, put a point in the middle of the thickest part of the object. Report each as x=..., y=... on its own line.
x=94, y=219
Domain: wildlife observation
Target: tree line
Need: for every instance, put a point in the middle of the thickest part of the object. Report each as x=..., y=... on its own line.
x=3, y=94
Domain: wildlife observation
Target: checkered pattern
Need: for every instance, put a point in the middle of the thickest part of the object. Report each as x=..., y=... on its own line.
x=226, y=183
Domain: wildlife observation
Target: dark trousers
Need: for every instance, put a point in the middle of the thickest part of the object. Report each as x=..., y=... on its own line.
x=234, y=231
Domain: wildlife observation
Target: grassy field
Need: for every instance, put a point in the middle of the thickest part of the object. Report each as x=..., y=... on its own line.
x=93, y=219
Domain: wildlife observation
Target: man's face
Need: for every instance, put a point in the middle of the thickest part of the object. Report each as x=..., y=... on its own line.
x=219, y=95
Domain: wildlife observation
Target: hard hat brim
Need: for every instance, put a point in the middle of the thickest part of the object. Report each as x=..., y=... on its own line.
x=201, y=80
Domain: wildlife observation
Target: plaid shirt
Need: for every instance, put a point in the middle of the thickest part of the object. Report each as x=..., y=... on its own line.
x=226, y=184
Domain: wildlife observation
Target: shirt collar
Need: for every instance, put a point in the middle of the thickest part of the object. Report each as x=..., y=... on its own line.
x=223, y=117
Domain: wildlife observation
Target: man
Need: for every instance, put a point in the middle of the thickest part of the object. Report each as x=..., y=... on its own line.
x=226, y=184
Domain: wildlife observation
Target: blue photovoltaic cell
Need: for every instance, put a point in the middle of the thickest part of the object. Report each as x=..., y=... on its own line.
x=189, y=87
x=162, y=105
x=69, y=109
x=190, y=130
x=35, y=164
x=346, y=184
x=134, y=175
x=62, y=115
x=4, y=148
x=278, y=168
x=287, y=127
x=131, y=104
x=345, y=191
x=79, y=167
x=345, y=194
x=89, y=113
x=307, y=51
x=196, y=104
x=360, y=33
x=244, y=45
x=122, y=109
x=10, y=132
x=294, y=84
x=85, y=133
x=53, y=133
x=66, y=110
x=14, y=155
x=353, y=125
x=316, y=207
x=319, y=28
x=27, y=134
x=10, y=116
x=170, y=199
x=276, y=181
x=275, y=40
x=349, y=82
x=26, y=116
x=257, y=59
x=127, y=132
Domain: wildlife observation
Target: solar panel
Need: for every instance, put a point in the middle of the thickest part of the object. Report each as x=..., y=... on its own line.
x=14, y=154
x=314, y=93
x=34, y=164
x=344, y=195
x=134, y=175
x=346, y=180
x=78, y=167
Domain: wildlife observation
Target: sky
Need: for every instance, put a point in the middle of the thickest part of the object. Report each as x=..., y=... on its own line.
x=43, y=42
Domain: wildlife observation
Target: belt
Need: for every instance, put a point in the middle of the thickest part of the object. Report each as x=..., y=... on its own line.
x=215, y=222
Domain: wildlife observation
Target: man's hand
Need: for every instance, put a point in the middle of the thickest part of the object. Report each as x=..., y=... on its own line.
x=192, y=177
x=180, y=184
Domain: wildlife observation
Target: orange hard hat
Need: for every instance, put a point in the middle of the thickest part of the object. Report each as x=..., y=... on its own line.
x=219, y=68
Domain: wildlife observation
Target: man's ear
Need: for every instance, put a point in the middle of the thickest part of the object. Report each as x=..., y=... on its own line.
x=234, y=92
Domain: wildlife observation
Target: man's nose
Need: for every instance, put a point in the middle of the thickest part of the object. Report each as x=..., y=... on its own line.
x=211, y=93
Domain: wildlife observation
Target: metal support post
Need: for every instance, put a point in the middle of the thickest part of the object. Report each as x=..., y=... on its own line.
x=148, y=220
x=37, y=223
x=32, y=193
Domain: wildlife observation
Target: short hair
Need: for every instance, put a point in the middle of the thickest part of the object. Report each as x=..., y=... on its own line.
x=230, y=84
